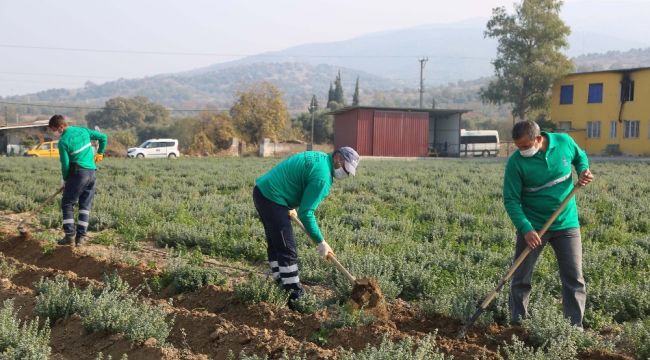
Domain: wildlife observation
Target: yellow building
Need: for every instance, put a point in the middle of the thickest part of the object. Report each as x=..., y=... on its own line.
x=606, y=112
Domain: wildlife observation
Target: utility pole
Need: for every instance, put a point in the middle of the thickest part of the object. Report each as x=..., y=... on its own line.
x=423, y=62
x=313, y=106
x=6, y=117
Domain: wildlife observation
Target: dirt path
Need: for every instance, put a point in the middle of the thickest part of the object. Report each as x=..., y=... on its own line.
x=211, y=322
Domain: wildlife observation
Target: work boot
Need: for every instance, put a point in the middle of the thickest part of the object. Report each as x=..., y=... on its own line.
x=294, y=296
x=67, y=240
x=80, y=240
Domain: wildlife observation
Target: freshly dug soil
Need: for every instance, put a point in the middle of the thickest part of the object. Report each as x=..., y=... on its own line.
x=210, y=322
x=367, y=295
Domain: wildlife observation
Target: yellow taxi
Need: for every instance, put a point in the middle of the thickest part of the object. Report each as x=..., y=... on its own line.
x=44, y=149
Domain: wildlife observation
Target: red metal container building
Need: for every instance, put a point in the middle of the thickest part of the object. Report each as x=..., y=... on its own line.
x=400, y=132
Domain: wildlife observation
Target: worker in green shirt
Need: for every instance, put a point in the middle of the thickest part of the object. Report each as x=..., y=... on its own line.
x=301, y=181
x=537, y=179
x=78, y=161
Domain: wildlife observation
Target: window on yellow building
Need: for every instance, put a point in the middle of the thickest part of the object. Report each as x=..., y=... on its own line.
x=595, y=93
x=593, y=129
x=613, y=125
x=631, y=129
x=566, y=94
x=564, y=125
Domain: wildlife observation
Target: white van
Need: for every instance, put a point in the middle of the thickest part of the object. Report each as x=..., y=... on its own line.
x=155, y=148
x=479, y=143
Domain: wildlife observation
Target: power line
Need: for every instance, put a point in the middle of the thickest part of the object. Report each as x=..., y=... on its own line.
x=59, y=75
x=96, y=108
x=262, y=55
x=17, y=81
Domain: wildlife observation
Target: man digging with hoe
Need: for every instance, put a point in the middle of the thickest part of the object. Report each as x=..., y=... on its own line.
x=301, y=181
x=78, y=172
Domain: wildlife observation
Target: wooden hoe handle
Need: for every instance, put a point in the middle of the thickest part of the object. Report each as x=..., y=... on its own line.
x=330, y=257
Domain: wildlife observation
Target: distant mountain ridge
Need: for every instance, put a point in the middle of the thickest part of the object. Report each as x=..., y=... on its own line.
x=613, y=60
x=217, y=89
x=456, y=51
x=458, y=55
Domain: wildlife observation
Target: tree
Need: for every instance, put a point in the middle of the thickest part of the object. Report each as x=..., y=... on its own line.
x=528, y=55
x=323, y=126
x=259, y=112
x=218, y=128
x=201, y=144
x=355, y=97
x=338, y=90
x=124, y=113
x=330, y=94
x=184, y=130
x=336, y=99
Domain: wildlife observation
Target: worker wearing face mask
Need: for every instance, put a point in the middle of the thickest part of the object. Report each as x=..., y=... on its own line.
x=301, y=181
x=537, y=179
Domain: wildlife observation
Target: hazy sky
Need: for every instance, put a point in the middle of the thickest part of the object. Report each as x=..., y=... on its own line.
x=145, y=37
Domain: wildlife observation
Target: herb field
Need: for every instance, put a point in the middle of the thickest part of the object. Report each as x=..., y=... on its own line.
x=434, y=234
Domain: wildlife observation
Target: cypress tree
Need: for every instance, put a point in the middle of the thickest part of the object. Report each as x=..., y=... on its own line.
x=355, y=97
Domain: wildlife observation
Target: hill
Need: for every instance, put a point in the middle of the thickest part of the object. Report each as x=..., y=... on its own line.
x=613, y=60
x=216, y=89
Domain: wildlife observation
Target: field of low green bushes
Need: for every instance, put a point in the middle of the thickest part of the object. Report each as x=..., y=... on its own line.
x=432, y=232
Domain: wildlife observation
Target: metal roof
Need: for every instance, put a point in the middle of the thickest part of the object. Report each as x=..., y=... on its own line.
x=612, y=71
x=382, y=108
x=22, y=126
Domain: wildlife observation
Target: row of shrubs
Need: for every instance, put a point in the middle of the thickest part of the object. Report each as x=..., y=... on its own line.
x=115, y=308
x=22, y=339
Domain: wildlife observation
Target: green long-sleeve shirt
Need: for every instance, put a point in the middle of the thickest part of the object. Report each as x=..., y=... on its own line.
x=301, y=181
x=534, y=187
x=75, y=148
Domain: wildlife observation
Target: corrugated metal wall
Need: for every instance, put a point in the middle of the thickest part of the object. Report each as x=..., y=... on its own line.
x=345, y=129
x=383, y=133
x=365, y=131
x=399, y=133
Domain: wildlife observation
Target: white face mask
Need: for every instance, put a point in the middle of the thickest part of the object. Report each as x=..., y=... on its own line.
x=340, y=173
x=529, y=152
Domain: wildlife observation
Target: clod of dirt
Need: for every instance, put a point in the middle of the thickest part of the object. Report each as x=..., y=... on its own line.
x=25, y=234
x=367, y=295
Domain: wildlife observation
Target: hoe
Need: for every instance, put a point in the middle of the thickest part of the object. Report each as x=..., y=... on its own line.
x=515, y=265
x=22, y=228
x=366, y=293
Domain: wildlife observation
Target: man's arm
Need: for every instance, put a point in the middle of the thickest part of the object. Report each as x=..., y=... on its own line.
x=581, y=163
x=580, y=160
x=314, y=193
x=512, y=189
x=65, y=161
x=99, y=136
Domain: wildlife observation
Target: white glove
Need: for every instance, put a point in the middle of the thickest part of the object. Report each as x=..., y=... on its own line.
x=324, y=249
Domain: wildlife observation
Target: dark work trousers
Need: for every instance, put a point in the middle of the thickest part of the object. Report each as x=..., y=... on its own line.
x=79, y=187
x=567, y=246
x=281, y=245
